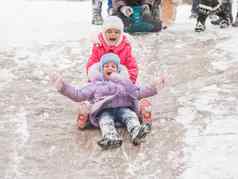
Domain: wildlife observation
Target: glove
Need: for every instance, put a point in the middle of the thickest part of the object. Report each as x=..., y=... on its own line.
x=146, y=9
x=159, y=83
x=126, y=11
x=56, y=80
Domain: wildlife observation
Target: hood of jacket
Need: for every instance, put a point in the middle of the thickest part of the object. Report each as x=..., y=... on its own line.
x=112, y=48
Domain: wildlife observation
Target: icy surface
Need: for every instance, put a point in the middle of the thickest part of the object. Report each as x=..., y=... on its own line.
x=194, y=134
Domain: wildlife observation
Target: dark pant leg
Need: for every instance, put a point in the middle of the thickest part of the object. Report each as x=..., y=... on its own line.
x=195, y=4
x=205, y=8
x=224, y=12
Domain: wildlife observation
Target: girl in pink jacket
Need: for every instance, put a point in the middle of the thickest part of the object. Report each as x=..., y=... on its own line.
x=112, y=39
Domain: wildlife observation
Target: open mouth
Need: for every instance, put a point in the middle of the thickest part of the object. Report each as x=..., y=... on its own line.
x=109, y=73
x=113, y=39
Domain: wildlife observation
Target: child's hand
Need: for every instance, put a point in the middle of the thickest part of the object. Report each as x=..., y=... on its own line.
x=126, y=11
x=159, y=83
x=57, y=81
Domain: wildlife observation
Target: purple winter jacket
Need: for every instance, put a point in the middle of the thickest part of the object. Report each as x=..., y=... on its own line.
x=112, y=93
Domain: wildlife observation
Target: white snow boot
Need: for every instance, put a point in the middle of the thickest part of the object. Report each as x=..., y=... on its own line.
x=107, y=143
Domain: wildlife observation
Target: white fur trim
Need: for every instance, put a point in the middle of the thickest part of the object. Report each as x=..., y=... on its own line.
x=93, y=71
x=109, y=44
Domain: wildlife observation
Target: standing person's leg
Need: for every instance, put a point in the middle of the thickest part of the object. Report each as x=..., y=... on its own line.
x=229, y=10
x=167, y=12
x=194, y=10
x=235, y=13
x=175, y=5
x=201, y=20
x=204, y=9
x=223, y=13
x=235, y=24
x=156, y=10
x=111, y=138
x=155, y=13
x=97, y=12
x=109, y=7
x=130, y=119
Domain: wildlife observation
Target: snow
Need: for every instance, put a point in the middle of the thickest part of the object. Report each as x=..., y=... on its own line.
x=25, y=22
x=210, y=148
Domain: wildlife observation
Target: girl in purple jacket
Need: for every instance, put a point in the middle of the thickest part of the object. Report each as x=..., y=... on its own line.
x=114, y=100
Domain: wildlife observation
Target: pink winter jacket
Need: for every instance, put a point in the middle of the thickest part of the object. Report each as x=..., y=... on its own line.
x=123, y=50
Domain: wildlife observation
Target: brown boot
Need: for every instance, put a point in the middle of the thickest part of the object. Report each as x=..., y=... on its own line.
x=83, y=115
x=146, y=111
x=82, y=120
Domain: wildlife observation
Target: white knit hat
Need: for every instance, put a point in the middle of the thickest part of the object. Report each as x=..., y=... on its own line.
x=112, y=22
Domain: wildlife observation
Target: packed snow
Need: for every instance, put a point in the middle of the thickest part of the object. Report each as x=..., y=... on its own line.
x=195, y=129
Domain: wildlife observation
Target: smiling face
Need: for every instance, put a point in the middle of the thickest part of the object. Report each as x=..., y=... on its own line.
x=112, y=36
x=108, y=69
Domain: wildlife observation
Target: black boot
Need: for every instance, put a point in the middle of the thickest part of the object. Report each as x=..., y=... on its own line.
x=202, y=16
x=224, y=14
x=216, y=22
x=224, y=23
x=138, y=134
x=200, y=27
x=107, y=143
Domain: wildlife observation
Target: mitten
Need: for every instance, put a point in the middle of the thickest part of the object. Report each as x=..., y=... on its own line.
x=146, y=9
x=56, y=80
x=126, y=11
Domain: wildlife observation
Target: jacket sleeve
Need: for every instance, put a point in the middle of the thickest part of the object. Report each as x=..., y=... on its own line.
x=94, y=58
x=117, y=4
x=138, y=92
x=150, y=2
x=147, y=91
x=78, y=94
x=132, y=66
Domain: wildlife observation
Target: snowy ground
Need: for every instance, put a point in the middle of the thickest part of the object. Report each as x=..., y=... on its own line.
x=195, y=129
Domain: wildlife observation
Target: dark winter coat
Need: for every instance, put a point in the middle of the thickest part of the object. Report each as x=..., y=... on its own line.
x=117, y=4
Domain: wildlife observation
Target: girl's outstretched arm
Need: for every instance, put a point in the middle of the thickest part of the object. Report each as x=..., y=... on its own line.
x=152, y=89
x=75, y=94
